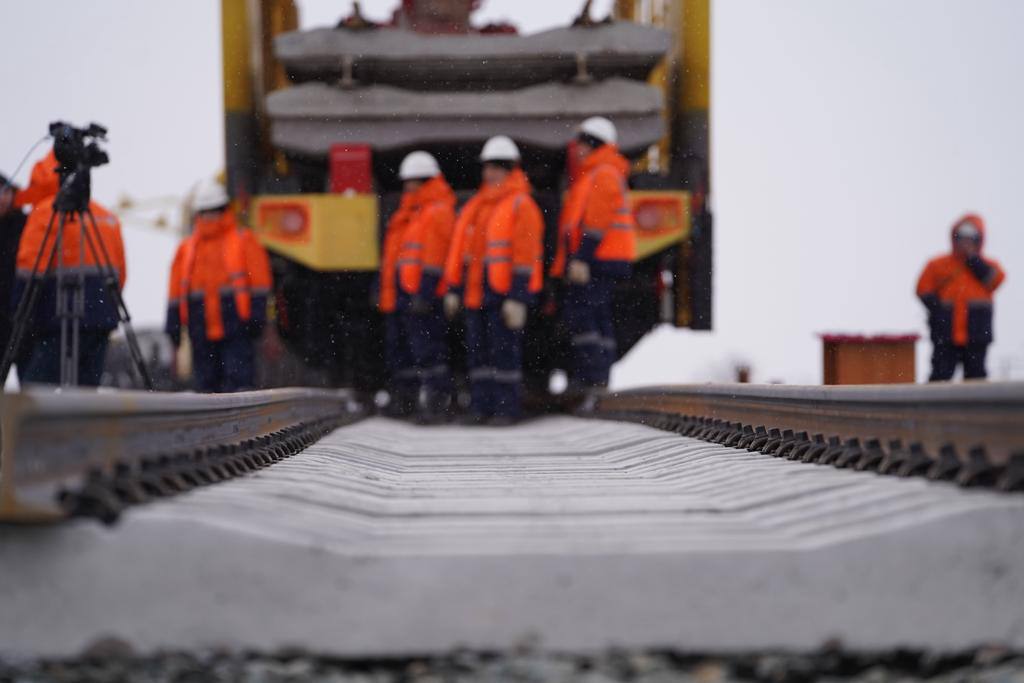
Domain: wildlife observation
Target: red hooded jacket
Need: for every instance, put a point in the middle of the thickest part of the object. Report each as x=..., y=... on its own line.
x=958, y=293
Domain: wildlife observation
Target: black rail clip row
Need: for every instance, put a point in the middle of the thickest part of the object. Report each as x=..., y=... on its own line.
x=897, y=431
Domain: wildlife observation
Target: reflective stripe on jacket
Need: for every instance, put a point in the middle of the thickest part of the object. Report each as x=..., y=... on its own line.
x=597, y=222
x=416, y=244
x=498, y=239
x=959, y=300
x=222, y=274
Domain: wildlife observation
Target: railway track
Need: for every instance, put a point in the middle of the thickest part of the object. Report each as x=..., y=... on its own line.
x=92, y=453
x=971, y=433
x=383, y=539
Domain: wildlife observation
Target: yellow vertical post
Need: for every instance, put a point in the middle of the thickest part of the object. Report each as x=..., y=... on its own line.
x=239, y=124
x=691, y=162
x=694, y=81
x=248, y=28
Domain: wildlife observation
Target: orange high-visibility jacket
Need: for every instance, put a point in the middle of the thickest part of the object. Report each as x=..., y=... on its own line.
x=416, y=243
x=43, y=183
x=499, y=241
x=75, y=256
x=958, y=294
x=220, y=280
x=597, y=222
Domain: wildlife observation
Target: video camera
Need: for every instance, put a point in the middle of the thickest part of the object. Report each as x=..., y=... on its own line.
x=78, y=151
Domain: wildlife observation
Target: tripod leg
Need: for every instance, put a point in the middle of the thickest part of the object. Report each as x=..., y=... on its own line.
x=110, y=279
x=77, y=302
x=27, y=304
x=70, y=301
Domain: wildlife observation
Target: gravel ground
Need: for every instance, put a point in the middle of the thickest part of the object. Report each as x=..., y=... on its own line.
x=110, y=662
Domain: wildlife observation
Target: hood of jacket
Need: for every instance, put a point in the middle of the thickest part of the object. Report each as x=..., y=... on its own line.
x=975, y=220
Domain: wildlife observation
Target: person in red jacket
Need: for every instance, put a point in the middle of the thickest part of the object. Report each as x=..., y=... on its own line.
x=220, y=282
x=495, y=270
x=74, y=259
x=415, y=247
x=957, y=291
x=596, y=248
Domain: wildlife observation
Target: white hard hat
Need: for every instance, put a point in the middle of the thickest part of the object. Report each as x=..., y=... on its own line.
x=600, y=128
x=418, y=165
x=209, y=195
x=500, y=148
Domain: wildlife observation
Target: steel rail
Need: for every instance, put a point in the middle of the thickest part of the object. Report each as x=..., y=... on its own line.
x=82, y=452
x=971, y=433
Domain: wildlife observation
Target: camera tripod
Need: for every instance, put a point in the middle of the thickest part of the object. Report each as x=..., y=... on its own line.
x=70, y=283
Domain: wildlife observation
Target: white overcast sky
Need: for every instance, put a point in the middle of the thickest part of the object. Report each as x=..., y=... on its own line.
x=847, y=136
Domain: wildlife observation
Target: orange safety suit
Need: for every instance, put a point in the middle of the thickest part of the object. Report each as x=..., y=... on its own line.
x=74, y=257
x=958, y=294
x=43, y=183
x=416, y=244
x=220, y=281
x=596, y=223
x=498, y=244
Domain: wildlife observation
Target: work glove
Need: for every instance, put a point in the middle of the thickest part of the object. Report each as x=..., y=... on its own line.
x=419, y=306
x=981, y=270
x=579, y=272
x=513, y=313
x=452, y=304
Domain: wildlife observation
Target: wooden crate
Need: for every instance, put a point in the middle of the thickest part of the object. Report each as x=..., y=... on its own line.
x=862, y=359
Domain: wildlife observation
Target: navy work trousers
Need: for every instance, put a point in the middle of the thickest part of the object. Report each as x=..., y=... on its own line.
x=224, y=366
x=416, y=351
x=945, y=358
x=494, y=356
x=43, y=365
x=588, y=315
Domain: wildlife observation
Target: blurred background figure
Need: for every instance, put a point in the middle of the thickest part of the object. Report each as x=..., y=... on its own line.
x=957, y=291
x=220, y=282
x=12, y=222
x=596, y=248
x=415, y=247
x=42, y=363
x=495, y=269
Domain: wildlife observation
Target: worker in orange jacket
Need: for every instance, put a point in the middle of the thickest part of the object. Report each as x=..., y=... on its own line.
x=220, y=282
x=98, y=267
x=495, y=270
x=596, y=248
x=415, y=247
x=957, y=291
